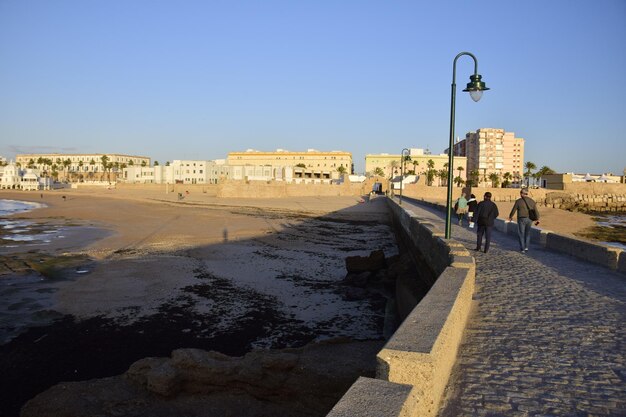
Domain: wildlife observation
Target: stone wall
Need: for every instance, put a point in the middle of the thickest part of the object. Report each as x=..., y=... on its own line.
x=278, y=189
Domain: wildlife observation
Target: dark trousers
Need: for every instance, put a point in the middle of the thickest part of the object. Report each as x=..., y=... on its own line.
x=483, y=230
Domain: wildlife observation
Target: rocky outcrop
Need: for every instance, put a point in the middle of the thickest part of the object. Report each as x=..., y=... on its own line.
x=192, y=382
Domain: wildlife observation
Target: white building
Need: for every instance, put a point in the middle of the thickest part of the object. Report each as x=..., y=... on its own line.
x=13, y=177
x=79, y=167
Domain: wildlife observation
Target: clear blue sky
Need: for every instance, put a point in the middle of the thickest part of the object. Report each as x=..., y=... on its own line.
x=197, y=79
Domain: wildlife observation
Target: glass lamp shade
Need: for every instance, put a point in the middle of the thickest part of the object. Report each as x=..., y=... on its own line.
x=476, y=95
x=476, y=87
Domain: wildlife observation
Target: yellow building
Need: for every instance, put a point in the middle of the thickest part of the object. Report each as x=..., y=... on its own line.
x=388, y=165
x=312, y=160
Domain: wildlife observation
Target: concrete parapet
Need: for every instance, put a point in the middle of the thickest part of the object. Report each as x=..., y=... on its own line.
x=588, y=251
x=364, y=398
x=422, y=351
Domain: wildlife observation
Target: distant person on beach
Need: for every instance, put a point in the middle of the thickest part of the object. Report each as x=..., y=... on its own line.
x=63, y=197
x=485, y=215
x=461, y=208
x=527, y=213
x=472, y=205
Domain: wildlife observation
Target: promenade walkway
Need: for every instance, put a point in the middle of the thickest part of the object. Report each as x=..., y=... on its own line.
x=547, y=335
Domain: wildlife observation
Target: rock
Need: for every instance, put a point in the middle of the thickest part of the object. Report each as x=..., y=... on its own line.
x=303, y=382
x=373, y=262
x=356, y=279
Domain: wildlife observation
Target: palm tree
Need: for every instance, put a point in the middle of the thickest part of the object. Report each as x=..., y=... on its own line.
x=156, y=163
x=460, y=169
x=144, y=163
x=31, y=163
x=341, y=170
x=459, y=181
x=529, y=167
x=443, y=176
x=495, y=179
x=104, y=160
x=394, y=166
x=379, y=172
x=430, y=174
x=507, y=179
x=80, y=170
x=66, y=165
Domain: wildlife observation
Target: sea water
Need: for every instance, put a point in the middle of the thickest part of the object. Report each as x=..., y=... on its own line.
x=19, y=231
x=615, y=221
x=8, y=207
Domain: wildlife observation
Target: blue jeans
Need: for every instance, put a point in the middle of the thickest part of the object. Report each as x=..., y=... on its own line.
x=523, y=232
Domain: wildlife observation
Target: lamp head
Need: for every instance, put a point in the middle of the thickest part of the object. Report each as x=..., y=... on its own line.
x=476, y=87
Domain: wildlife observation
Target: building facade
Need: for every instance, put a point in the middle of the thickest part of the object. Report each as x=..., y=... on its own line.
x=77, y=167
x=321, y=164
x=12, y=177
x=492, y=151
x=421, y=161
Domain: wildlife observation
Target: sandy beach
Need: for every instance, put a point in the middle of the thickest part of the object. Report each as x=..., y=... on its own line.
x=138, y=275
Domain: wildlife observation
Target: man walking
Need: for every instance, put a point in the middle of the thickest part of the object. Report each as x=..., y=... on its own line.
x=527, y=213
x=485, y=216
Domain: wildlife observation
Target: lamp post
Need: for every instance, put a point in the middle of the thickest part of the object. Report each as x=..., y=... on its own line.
x=402, y=163
x=475, y=87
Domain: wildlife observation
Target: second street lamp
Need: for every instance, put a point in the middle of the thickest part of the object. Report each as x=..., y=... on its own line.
x=475, y=87
x=402, y=163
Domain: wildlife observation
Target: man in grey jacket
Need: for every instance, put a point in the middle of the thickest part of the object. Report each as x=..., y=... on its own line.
x=523, y=207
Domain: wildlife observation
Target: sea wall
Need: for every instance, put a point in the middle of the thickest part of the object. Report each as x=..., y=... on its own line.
x=280, y=189
x=415, y=364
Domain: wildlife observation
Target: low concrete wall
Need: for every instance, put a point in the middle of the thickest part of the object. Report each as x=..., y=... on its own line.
x=278, y=189
x=594, y=197
x=597, y=253
x=421, y=353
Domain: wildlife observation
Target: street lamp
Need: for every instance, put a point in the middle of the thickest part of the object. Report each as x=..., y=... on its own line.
x=402, y=163
x=475, y=87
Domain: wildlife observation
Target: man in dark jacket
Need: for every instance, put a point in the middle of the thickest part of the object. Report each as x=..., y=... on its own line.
x=485, y=215
x=523, y=207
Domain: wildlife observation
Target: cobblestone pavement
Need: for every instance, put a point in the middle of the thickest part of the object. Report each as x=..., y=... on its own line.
x=547, y=335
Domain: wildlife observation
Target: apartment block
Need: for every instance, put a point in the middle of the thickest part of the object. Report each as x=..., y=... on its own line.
x=492, y=150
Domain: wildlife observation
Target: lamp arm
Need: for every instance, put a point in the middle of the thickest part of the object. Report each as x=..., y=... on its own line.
x=454, y=64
